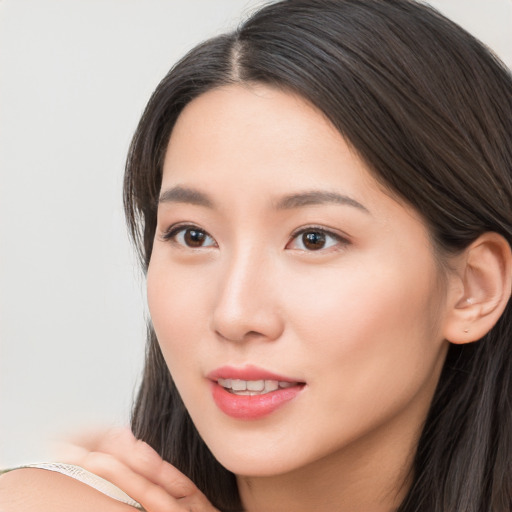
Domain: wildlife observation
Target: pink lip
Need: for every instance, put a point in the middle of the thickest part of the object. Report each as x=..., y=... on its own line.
x=246, y=407
x=248, y=372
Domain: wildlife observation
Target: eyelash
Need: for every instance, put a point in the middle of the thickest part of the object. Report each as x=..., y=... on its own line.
x=340, y=241
x=171, y=234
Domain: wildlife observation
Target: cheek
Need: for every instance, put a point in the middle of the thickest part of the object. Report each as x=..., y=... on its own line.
x=175, y=306
x=373, y=330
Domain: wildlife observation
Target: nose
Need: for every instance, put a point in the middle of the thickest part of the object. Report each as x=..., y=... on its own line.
x=246, y=306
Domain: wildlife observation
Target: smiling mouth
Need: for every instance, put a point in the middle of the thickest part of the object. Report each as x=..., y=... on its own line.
x=254, y=387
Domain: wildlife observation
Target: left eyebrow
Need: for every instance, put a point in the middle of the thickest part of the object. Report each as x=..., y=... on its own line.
x=188, y=195
x=317, y=197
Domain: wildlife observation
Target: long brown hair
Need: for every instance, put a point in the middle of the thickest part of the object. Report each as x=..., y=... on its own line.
x=429, y=109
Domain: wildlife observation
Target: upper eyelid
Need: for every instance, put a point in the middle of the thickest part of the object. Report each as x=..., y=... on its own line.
x=169, y=233
x=174, y=229
x=341, y=240
x=322, y=229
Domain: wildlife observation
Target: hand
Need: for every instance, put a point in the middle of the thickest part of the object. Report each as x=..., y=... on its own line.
x=133, y=466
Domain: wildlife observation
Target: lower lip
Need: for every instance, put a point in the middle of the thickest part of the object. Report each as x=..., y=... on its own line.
x=245, y=407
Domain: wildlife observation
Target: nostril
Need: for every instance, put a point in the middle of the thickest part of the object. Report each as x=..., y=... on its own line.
x=239, y=338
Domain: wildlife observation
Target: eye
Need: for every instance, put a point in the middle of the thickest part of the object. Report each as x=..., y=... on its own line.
x=315, y=239
x=189, y=236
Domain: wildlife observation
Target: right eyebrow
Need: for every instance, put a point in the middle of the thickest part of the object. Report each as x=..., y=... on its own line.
x=317, y=197
x=179, y=194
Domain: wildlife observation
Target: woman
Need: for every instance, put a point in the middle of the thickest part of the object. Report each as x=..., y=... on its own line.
x=321, y=201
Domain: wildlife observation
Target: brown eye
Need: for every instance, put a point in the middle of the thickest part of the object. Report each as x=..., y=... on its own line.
x=194, y=237
x=190, y=236
x=313, y=240
x=316, y=239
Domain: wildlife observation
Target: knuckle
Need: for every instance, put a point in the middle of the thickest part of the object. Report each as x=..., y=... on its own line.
x=146, y=458
x=183, y=487
x=197, y=503
x=145, y=451
x=154, y=498
x=100, y=463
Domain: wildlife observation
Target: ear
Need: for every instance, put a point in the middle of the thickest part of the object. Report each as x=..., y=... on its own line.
x=484, y=281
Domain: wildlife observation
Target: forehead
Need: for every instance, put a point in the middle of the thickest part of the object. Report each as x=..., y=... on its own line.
x=247, y=145
x=253, y=131
x=242, y=150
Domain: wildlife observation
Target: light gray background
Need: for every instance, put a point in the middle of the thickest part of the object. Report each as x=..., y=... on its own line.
x=74, y=78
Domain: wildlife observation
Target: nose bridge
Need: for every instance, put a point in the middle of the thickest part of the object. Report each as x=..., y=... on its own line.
x=245, y=302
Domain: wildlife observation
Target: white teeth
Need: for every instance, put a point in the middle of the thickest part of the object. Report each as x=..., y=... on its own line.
x=253, y=387
x=271, y=385
x=238, y=385
x=225, y=383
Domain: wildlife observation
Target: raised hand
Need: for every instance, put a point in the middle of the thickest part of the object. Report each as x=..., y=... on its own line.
x=133, y=466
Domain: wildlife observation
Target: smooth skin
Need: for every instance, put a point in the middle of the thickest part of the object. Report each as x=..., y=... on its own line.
x=362, y=315
x=118, y=457
x=27, y=490
x=276, y=247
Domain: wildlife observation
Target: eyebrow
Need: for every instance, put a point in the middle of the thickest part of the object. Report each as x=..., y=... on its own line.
x=317, y=197
x=180, y=194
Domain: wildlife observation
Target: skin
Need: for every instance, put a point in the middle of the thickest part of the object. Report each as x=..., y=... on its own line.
x=28, y=490
x=359, y=320
x=118, y=457
x=362, y=316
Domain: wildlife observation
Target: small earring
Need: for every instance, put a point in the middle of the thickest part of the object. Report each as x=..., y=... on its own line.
x=470, y=301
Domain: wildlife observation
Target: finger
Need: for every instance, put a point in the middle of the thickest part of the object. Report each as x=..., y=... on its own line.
x=65, y=444
x=89, y=436
x=151, y=496
x=142, y=459
x=70, y=453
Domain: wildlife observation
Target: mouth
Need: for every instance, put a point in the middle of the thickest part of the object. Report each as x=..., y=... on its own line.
x=242, y=387
x=250, y=393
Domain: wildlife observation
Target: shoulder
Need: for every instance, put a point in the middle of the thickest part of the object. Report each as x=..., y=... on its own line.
x=38, y=490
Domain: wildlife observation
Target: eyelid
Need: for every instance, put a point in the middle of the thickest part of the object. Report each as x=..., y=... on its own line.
x=343, y=240
x=170, y=233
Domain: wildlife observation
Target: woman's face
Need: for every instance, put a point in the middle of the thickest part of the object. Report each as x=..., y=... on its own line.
x=278, y=260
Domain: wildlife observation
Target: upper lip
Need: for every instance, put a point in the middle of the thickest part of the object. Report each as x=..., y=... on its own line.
x=248, y=372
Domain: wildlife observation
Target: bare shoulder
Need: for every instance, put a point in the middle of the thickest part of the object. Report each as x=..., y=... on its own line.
x=38, y=490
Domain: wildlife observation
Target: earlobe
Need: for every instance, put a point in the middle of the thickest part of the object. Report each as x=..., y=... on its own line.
x=486, y=276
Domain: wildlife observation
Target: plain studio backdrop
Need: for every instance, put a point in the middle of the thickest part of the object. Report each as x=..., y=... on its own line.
x=75, y=76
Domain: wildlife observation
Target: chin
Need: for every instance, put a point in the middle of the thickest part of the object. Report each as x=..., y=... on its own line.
x=255, y=467
x=261, y=461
